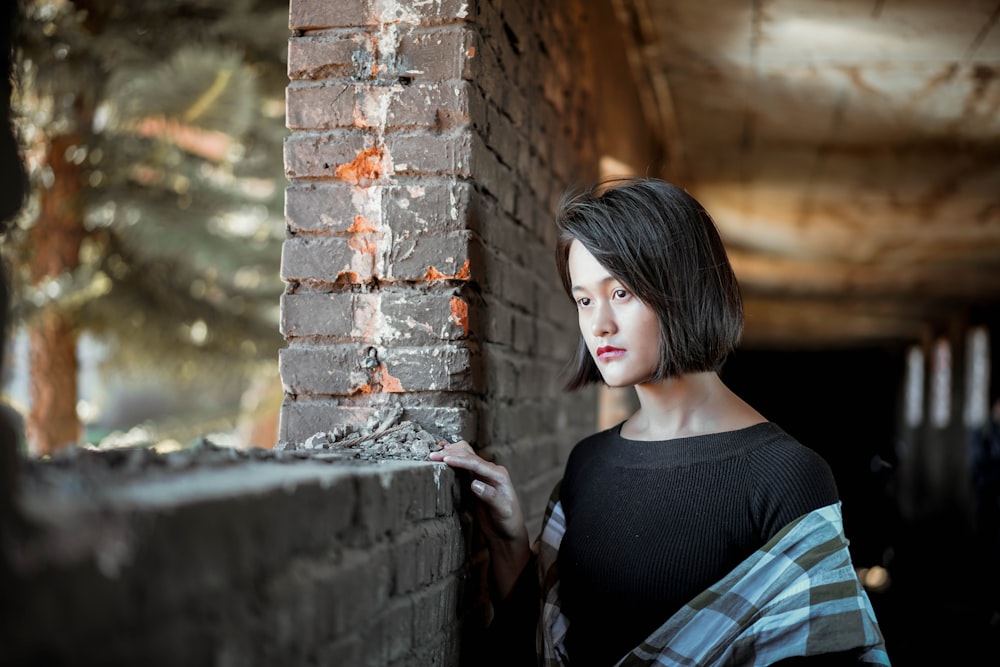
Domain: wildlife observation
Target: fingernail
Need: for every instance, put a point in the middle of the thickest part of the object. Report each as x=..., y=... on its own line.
x=478, y=487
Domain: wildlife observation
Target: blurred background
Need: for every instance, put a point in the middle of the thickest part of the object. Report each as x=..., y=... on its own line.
x=144, y=262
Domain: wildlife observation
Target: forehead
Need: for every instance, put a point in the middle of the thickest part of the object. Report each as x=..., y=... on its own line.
x=584, y=269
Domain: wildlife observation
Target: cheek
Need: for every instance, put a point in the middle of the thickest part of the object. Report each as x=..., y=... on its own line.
x=650, y=327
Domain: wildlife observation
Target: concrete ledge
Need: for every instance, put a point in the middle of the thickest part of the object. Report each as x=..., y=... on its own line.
x=241, y=562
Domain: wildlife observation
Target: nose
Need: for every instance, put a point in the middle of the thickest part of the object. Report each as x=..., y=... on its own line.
x=603, y=322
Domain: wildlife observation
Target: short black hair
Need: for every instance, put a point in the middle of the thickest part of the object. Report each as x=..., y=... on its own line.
x=662, y=244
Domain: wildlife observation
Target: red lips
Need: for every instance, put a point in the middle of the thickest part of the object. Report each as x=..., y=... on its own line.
x=608, y=352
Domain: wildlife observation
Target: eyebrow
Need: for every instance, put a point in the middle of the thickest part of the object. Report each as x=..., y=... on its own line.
x=602, y=281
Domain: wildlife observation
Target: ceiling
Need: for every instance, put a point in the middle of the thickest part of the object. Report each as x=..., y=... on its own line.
x=849, y=151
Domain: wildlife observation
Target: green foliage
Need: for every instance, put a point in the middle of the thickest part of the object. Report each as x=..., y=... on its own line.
x=179, y=106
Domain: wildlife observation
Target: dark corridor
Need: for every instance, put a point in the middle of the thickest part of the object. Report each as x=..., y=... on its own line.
x=941, y=606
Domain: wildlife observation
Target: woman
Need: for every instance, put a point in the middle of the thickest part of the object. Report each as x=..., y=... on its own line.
x=696, y=531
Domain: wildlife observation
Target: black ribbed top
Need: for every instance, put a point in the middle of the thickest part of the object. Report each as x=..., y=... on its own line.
x=649, y=525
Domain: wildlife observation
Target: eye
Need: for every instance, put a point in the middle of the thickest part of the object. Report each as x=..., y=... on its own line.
x=583, y=301
x=620, y=293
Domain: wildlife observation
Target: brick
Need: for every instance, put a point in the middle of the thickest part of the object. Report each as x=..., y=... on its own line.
x=504, y=138
x=433, y=607
x=492, y=174
x=391, y=315
x=331, y=207
x=439, y=105
x=404, y=564
x=527, y=157
x=384, y=639
x=315, y=14
x=333, y=509
x=325, y=107
x=501, y=373
x=415, y=319
x=431, y=256
x=324, y=370
x=319, y=314
x=412, y=480
x=361, y=585
x=379, y=514
x=422, y=152
x=439, y=205
x=430, y=550
x=477, y=111
x=520, y=289
x=511, y=241
x=499, y=321
x=310, y=14
x=423, y=504
x=327, y=259
x=453, y=551
x=541, y=260
x=336, y=55
x=317, y=155
x=438, y=368
x=520, y=26
x=555, y=342
x=287, y=532
x=542, y=377
x=298, y=591
x=439, y=53
x=525, y=334
x=301, y=416
x=421, y=11
x=334, y=370
x=509, y=48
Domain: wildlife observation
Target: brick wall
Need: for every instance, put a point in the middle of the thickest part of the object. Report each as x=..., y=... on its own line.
x=223, y=558
x=428, y=145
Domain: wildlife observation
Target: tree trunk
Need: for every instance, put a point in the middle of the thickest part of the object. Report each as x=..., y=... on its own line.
x=52, y=422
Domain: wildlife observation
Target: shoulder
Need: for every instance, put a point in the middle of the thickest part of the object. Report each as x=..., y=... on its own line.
x=587, y=453
x=595, y=443
x=778, y=452
x=790, y=479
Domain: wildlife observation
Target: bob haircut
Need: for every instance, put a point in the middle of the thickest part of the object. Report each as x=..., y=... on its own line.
x=661, y=244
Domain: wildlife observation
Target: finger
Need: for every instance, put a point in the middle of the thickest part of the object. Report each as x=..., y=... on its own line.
x=490, y=472
x=498, y=508
x=463, y=448
x=447, y=448
x=462, y=461
x=499, y=504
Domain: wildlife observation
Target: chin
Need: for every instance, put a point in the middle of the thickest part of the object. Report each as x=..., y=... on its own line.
x=615, y=383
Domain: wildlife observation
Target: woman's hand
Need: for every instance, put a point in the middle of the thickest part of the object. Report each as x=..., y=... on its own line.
x=498, y=511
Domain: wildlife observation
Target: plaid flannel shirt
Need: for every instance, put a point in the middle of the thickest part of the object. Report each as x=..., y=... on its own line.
x=796, y=595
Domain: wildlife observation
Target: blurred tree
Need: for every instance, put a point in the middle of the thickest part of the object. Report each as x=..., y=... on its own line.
x=152, y=133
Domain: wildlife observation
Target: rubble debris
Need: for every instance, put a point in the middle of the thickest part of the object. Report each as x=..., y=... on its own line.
x=382, y=437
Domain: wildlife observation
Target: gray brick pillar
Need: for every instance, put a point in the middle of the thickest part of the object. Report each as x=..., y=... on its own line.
x=429, y=143
x=379, y=253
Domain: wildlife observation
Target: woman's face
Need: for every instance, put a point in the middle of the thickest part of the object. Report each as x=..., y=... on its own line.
x=622, y=332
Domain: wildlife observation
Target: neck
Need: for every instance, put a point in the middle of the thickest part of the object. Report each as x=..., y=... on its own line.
x=692, y=404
